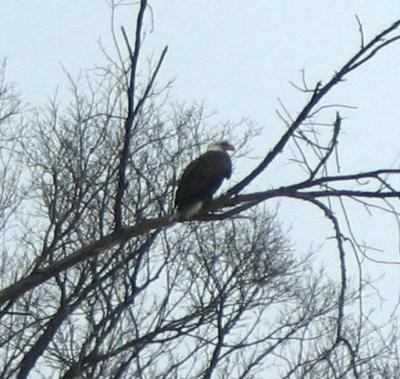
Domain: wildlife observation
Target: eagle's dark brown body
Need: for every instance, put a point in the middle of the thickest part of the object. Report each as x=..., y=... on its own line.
x=200, y=180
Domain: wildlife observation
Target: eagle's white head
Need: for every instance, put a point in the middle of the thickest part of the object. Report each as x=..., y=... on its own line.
x=220, y=146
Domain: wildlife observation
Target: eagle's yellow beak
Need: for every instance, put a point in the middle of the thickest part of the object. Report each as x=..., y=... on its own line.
x=228, y=146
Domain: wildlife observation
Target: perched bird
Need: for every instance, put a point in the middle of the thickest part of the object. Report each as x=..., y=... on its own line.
x=201, y=179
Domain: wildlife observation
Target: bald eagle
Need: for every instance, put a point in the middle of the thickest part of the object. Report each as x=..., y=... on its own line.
x=201, y=179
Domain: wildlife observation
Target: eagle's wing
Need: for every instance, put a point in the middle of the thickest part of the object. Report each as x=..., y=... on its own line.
x=202, y=178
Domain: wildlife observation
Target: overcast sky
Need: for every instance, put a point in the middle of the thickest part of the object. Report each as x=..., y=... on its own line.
x=238, y=57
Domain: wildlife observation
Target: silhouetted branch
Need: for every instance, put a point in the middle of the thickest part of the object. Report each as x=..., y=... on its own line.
x=239, y=204
x=131, y=89
x=364, y=54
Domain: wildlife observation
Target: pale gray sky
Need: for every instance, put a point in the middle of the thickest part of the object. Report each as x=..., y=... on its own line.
x=238, y=57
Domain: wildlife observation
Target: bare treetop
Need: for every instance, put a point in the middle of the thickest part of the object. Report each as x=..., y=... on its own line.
x=99, y=280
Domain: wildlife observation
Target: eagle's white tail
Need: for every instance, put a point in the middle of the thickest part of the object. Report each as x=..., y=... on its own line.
x=187, y=212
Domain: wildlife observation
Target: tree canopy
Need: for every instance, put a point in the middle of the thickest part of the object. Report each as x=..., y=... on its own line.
x=99, y=281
